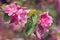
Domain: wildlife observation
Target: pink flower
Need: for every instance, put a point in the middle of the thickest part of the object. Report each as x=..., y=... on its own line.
x=15, y=19
x=19, y=7
x=23, y=21
x=39, y=32
x=11, y=9
x=45, y=20
x=22, y=17
x=44, y=24
x=17, y=13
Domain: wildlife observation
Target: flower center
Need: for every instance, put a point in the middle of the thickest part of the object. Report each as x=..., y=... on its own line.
x=42, y=20
x=11, y=9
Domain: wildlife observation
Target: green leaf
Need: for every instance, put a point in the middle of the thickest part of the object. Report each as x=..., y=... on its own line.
x=31, y=25
x=35, y=19
x=31, y=30
x=6, y=17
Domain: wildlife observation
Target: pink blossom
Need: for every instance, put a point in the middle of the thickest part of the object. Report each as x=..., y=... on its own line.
x=11, y=9
x=45, y=20
x=39, y=32
x=17, y=13
x=22, y=17
x=19, y=7
x=23, y=21
x=44, y=24
x=15, y=19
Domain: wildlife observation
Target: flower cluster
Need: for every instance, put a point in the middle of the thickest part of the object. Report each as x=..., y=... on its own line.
x=17, y=14
x=44, y=24
x=21, y=16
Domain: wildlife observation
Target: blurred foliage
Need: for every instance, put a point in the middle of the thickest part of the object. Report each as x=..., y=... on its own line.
x=58, y=34
x=20, y=3
x=53, y=14
x=32, y=25
x=6, y=17
x=32, y=12
x=3, y=6
x=47, y=36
